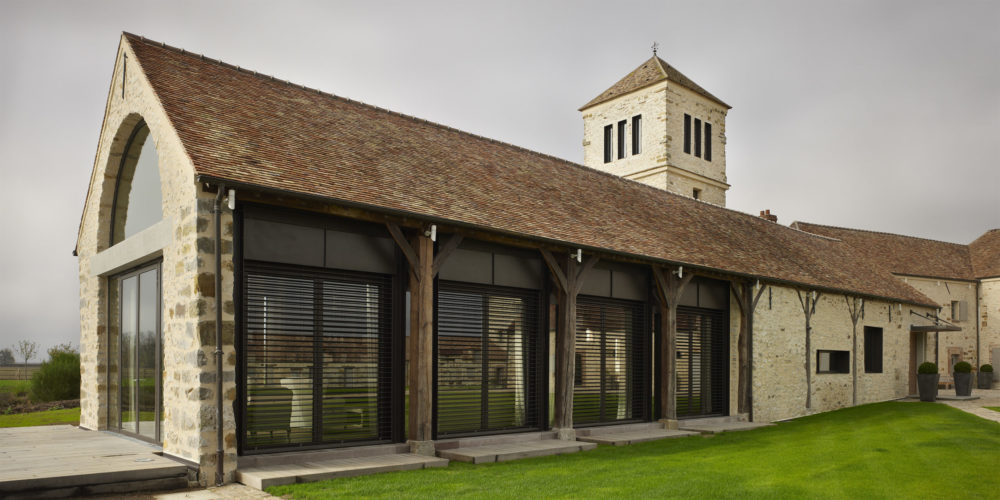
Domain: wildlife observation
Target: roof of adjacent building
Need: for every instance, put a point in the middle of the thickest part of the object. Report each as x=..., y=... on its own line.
x=263, y=133
x=985, y=254
x=652, y=71
x=912, y=256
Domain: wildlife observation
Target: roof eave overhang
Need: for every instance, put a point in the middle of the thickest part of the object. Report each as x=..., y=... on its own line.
x=209, y=179
x=934, y=328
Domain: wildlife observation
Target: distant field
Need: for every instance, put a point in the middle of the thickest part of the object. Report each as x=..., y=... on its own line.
x=50, y=417
x=18, y=372
x=15, y=386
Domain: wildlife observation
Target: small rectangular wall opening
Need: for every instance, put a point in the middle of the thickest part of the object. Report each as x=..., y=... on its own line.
x=833, y=361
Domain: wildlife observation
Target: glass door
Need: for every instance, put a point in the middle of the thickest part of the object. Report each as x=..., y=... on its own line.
x=137, y=354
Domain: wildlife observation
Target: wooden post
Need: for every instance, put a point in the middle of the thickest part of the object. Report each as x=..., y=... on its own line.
x=669, y=287
x=854, y=306
x=808, y=308
x=747, y=303
x=569, y=280
x=419, y=252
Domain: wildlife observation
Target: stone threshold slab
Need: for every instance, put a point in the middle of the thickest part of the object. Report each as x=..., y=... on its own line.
x=265, y=476
x=720, y=427
x=630, y=437
x=515, y=451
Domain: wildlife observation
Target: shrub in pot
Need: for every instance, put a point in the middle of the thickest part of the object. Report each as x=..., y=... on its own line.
x=963, y=378
x=927, y=381
x=985, y=377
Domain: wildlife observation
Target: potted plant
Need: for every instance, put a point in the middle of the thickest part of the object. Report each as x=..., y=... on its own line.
x=963, y=378
x=985, y=377
x=927, y=381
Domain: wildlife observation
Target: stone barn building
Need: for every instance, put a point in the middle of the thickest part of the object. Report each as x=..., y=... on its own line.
x=267, y=268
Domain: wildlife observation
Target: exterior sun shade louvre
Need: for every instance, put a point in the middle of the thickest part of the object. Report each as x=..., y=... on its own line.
x=486, y=359
x=702, y=362
x=612, y=362
x=318, y=357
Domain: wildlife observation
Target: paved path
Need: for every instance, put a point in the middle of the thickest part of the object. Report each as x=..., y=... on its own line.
x=989, y=397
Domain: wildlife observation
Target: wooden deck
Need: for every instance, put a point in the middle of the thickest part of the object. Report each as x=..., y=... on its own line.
x=62, y=460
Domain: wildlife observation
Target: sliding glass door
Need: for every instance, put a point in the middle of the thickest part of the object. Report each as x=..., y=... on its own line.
x=136, y=355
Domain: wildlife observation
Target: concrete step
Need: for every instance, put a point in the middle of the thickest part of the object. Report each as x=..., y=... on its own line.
x=292, y=457
x=265, y=476
x=604, y=429
x=468, y=442
x=705, y=426
x=627, y=437
x=514, y=450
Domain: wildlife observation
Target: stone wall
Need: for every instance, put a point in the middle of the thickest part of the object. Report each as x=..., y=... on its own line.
x=187, y=294
x=680, y=100
x=662, y=162
x=963, y=342
x=779, y=375
x=989, y=323
x=648, y=102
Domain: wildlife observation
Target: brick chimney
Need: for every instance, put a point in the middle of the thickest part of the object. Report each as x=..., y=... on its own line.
x=766, y=214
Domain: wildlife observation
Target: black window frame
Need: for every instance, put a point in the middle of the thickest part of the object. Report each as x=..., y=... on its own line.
x=621, y=138
x=687, y=133
x=708, y=142
x=697, y=137
x=636, y=134
x=874, y=354
x=607, y=143
x=840, y=361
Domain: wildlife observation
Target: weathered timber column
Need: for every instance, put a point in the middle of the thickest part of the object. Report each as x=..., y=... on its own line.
x=669, y=286
x=424, y=266
x=808, y=308
x=569, y=279
x=854, y=306
x=747, y=303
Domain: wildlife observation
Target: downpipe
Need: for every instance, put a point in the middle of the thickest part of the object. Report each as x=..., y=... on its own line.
x=220, y=451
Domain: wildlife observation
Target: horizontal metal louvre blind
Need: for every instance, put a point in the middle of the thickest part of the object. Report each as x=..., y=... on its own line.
x=318, y=356
x=611, y=371
x=487, y=342
x=702, y=362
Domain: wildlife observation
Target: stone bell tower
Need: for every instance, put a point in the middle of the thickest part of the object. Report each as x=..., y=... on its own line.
x=660, y=128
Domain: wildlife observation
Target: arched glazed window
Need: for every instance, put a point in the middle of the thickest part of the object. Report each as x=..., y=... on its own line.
x=138, y=200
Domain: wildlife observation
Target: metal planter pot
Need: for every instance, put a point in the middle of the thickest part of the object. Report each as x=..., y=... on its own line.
x=927, y=384
x=963, y=384
x=984, y=380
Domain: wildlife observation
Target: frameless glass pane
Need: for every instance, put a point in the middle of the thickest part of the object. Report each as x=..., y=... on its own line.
x=149, y=306
x=129, y=315
x=138, y=200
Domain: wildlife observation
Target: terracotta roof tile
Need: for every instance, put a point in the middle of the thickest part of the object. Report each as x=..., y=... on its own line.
x=652, y=71
x=241, y=127
x=914, y=256
x=985, y=254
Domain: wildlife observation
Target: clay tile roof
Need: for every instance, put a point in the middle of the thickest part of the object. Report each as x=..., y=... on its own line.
x=262, y=133
x=900, y=254
x=985, y=254
x=652, y=71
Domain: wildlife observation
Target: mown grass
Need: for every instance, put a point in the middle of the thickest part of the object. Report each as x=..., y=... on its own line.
x=885, y=450
x=50, y=417
x=994, y=408
x=15, y=386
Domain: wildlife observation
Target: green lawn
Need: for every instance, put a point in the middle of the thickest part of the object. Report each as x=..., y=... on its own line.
x=15, y=386
x=885, y=450
x=994, y=408
x=67, y=416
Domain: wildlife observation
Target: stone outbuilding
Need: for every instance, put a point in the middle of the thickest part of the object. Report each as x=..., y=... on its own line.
x=266, y=268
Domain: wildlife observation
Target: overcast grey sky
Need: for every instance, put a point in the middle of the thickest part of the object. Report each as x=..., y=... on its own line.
x=881, y=115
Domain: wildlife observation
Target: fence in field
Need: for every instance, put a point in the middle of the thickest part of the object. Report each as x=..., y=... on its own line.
x=18, y=372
